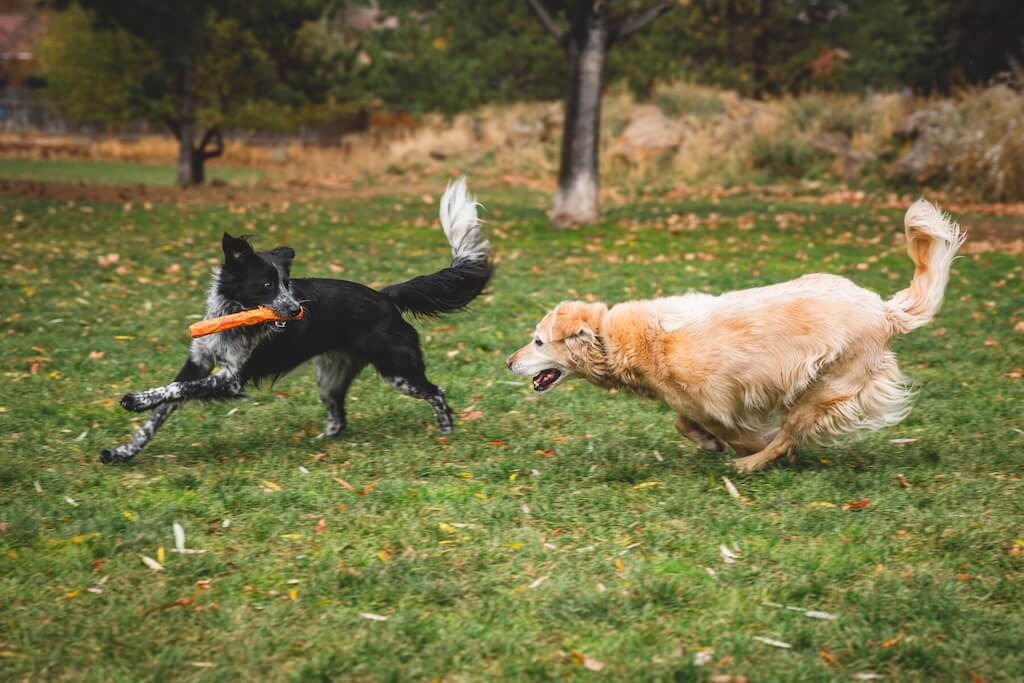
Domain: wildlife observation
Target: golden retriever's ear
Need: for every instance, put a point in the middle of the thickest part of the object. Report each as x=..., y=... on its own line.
x=575, y=318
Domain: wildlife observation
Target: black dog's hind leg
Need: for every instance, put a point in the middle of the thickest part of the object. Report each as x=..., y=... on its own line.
x=190, y=371
x=420, y=387
x=335, y=372
x=396, y=355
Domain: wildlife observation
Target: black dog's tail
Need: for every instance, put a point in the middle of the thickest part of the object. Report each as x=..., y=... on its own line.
x=457, y=285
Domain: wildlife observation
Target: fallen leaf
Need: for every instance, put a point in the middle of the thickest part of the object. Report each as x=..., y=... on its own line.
x=373, y=617
x=702, y=657
x=345, y=484
x=384, y=555
x=731, y=488
x=321, y=526
x=368, y=488
x=537, y=582
x=1019, y=327
x=902, y=482
x=470, y=415
x=71, y=594
x=975, y=678
x=588, y=663
x=151, y=563
x=902, y=441
x=867, y=676
x=619, y=566
x=773, y=642
x=829, y=658
x=545, y=453
x=727, y=678
x=856, y=504
x=728, y=556
x=160, y=555
x=293, y=595
x=70, y=501
x=271, y=486
x=893, y=642
x=646, y=485
x=179, y=537
x=821, y=504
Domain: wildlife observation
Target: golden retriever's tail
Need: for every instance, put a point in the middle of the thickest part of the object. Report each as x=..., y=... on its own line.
x=932, y=242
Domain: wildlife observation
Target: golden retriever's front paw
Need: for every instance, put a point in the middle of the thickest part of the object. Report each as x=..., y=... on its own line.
x=751, y=463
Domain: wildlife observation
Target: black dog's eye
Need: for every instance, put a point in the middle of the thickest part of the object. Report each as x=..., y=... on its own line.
x=538, y=342
x=268, y=285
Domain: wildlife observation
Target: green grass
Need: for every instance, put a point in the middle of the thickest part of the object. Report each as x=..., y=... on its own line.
x=109, y=172
x=576, y=523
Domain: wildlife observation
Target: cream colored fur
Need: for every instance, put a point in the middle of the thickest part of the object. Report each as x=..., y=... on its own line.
x=763, y=369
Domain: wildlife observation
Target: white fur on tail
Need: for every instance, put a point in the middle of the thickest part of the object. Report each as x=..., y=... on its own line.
x=461, y=225
x=932, y=242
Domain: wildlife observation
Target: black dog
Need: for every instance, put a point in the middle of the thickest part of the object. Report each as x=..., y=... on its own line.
x=345, y=327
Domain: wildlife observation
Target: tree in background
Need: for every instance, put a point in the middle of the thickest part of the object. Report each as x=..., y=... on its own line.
x=592, y=31
x=187, y=64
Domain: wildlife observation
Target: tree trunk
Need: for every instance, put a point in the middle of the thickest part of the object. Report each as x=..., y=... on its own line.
x=576, y=197
x=187, y=132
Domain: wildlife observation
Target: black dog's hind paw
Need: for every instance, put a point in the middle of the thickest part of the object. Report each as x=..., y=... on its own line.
x=133, y=402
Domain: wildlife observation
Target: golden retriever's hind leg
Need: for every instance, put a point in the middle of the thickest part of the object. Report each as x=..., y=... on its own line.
x=748, y=443
x=697, y=434
x=778, y=447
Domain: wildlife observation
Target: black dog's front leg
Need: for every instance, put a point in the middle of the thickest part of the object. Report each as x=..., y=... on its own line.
x=191, y=370
x=224, y=384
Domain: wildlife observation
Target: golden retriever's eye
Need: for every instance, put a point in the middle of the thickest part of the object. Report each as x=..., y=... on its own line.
x=538, y=342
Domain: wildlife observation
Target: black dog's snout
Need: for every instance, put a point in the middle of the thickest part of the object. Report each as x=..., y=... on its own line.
x=294, y=310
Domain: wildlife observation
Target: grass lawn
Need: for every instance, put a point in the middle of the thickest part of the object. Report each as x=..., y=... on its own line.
x=110, y=172
x=549, y=536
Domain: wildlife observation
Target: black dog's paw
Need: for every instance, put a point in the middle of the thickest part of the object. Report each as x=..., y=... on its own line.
x=133, y=402
x=114, y=455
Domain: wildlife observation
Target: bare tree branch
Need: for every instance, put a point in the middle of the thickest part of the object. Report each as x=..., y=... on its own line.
x=549, y=23
x=632, y=24
x=212, y=135
x=173, y=126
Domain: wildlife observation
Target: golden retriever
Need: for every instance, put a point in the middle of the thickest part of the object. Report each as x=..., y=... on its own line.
x=761, y=370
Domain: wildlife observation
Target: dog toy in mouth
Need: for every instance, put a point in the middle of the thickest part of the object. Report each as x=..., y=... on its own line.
x=253, y=316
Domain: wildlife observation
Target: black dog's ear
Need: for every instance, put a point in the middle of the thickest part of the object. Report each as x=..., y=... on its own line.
x=286, y=254
x=235, y=248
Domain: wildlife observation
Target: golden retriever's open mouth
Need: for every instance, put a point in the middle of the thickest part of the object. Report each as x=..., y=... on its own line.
x=543, y=380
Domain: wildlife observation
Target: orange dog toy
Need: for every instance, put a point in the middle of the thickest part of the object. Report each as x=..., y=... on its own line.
x=253, y=316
